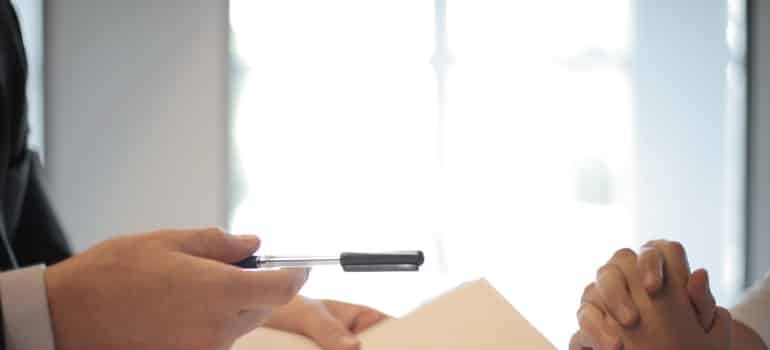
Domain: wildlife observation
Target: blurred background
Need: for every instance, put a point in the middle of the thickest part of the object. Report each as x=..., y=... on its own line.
x=521, y=141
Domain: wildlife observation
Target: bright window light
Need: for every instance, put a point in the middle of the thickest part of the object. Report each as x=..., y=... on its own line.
x=497, y=136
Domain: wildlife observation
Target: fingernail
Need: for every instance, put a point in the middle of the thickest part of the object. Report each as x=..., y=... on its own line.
x=660, y=269
x=251, y=239
x=708, y=285
x=650, y=280
x=349, y=341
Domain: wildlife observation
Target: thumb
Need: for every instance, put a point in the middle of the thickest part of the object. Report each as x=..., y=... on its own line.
x=331, y=334
x=215, y=244
x=722, y=331
x=578, y=343
x=701, y=298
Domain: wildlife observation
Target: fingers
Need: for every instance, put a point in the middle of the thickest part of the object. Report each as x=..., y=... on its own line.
x=366, y=319
x=213, y=243
x=357, y=318
x=255, y=289
x=594, y=327
x=248, y=320
x=626, y=261
x=591, y=295
x=722, y=331
x=650, y=263
x=676, y=268
x=612, y=286
x=576, y=343
x=700, y=295
x=331, y=333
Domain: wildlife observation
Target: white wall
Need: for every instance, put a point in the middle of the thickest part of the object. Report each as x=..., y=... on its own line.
x=136, y=114
x=689, y=142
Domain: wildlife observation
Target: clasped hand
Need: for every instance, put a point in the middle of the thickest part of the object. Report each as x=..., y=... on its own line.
x=651, y=301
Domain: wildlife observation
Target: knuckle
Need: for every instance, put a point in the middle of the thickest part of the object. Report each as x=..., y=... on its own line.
x=586, y=324
x=607, y=271
x=214, y=233
x=203, y=240
x=722, y=312
x=580, y=315
x=589, y=290
x=648, y=251
x=676, y=249
x=649, y=258
x=127, y=249
x=574, y=342
x=624, y=254
x=585, y=315
x=655, y=243
x=581, y=341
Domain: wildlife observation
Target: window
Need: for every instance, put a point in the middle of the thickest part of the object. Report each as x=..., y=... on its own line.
x=519, y=141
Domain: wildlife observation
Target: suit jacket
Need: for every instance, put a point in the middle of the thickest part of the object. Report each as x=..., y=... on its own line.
x=29, y=230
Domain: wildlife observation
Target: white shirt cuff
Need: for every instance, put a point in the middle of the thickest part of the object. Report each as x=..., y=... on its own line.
x=754, y=309
x=26, y=319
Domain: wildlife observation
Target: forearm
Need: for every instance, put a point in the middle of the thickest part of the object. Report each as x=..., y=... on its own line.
x=745, y=338
x=752, y=317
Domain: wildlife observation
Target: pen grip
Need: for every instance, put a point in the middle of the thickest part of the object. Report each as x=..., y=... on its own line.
x=251, y=262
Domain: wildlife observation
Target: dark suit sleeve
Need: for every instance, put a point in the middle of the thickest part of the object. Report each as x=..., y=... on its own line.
x=39, y=236
x=29, y=230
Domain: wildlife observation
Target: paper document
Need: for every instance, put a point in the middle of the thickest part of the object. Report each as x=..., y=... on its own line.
x=473, y=316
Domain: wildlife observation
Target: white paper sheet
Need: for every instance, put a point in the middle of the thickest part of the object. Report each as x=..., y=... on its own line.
x=472, y=316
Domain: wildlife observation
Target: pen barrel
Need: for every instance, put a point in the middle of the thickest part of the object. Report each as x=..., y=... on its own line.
x=274, y=262
x=268, y=262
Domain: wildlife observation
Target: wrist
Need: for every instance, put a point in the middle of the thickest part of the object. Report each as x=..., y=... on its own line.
x=52, y=286
x=57, y=304
x=745, y=338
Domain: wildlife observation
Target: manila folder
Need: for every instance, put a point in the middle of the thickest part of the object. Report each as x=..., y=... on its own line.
x=472, y=316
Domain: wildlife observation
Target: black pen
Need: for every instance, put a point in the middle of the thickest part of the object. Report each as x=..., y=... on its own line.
x=350, y=262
